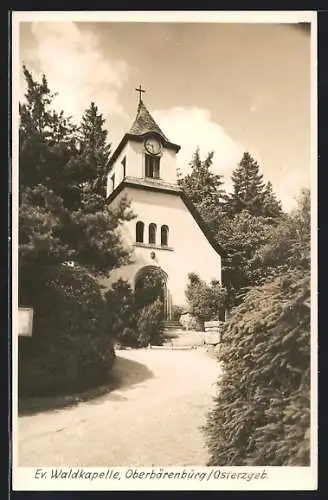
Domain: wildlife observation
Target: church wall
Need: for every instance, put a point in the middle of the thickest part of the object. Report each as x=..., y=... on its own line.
x=117, y=169
x=135, y=165
x=136, y=160
x=169, y=166
x=189, y=249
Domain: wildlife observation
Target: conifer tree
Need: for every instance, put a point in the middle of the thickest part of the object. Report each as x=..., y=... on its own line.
x=241, y=237
x=58, y=220
x=205, y=189
x=47, y=139
x=272, y=206
x=288, y=244
x=94, y=150
x=202, y=182
x=248, y=188
x=241, y=222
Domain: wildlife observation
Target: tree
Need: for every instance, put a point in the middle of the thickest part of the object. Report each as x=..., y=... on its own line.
x=240, y=222
x=248, y=187
x=59, y=219
x=205, y=189
x=272, y=206
x=249, y=191
x=47, y=142
x=288, y=244
x=63, y=216
x=206, y=301
x=94, y=150
x=242, y=235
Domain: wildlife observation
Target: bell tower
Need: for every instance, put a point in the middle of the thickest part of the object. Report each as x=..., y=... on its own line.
x=144, y=155
x=167, y=236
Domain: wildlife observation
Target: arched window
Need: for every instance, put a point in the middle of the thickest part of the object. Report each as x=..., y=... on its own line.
x=152, y=234
x=164, y=236
x=152, y=166
x=140, y=232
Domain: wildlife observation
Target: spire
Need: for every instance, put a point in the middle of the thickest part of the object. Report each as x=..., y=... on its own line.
x=145, y=123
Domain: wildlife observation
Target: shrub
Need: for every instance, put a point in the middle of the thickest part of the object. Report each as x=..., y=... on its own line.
x=135, y=318
x=71, y=348
x=149, y=288
x=128, y=337
x=176, y=312
x=149, y=324
x=261, y=414
x=190, y=322
x=122, y=313
x=206, y=302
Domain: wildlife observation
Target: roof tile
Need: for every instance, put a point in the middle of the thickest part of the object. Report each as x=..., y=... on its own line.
x=145, y=123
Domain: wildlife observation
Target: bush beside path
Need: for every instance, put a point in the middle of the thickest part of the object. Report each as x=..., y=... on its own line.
x=155, y=420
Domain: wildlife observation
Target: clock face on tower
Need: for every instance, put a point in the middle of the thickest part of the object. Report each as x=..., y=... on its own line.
x=153, y=146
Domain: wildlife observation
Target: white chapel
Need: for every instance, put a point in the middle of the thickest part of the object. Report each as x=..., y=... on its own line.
x=168, y=235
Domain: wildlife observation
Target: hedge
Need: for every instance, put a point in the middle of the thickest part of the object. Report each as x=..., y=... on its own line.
x=71, y=347
x=261, y=414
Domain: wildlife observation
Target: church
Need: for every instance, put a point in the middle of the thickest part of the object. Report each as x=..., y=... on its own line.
x=167, y=236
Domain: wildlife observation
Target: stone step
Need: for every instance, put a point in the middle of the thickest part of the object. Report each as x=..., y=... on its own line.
x=173, y=327
x=186, y=339
x=169, y=347
x=170, y=334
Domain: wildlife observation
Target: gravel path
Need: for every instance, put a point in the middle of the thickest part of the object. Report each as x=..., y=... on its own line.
x=153, y=418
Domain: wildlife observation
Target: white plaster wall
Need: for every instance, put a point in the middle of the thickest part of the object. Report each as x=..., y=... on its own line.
x=135, y=165
x=134, y=160
x=169, y=166
x=117, y=169
x=191, y=251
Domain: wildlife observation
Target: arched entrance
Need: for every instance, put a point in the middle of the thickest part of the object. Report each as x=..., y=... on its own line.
x=150, y=283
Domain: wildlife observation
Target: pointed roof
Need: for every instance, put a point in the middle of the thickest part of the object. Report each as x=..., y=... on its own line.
x=144, y=123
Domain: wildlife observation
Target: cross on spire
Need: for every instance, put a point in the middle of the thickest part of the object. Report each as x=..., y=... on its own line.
x=140, y=90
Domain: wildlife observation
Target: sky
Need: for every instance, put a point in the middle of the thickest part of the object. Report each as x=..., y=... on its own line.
x=227, y=87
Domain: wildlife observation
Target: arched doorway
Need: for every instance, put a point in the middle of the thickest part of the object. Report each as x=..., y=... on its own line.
x=150, y=283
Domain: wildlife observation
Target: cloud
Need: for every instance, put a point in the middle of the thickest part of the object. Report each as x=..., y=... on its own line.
x=286, y=178
x=192, y=127
x=80, y=71
x=289, y=187
x=76, y=68
x=258, y=102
